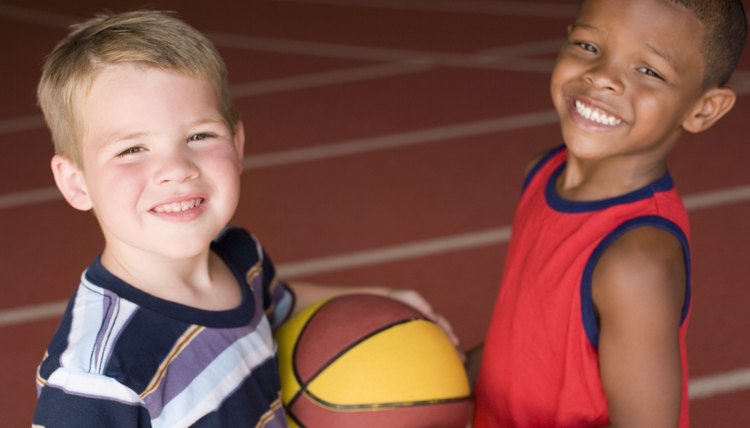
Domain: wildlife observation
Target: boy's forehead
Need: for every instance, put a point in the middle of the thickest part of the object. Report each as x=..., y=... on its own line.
x=118, y=76
x=667, y=9
x=127, y=97
x=671, y=14
x=661, y=26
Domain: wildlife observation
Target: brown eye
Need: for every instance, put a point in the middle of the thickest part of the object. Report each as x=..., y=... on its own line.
x=587, y=47
x=650, y=72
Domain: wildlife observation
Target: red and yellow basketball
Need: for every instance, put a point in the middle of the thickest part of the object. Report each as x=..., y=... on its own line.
x=368, y=361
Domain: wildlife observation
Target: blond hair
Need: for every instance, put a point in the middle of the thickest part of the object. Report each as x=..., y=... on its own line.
x=149, y=38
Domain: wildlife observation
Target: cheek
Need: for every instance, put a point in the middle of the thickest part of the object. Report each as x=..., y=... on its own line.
x=652, y=109
x=560, y=77
x=226, y=162
x=119, y=186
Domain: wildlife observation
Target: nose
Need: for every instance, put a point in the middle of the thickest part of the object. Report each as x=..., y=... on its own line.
x=176, y=166
x=605, y=76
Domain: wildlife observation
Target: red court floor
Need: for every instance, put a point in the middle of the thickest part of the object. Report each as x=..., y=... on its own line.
x=386, y=142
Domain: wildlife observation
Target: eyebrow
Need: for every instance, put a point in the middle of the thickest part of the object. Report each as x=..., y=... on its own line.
x=579, y=24
x=124, y=137
x=206, y=121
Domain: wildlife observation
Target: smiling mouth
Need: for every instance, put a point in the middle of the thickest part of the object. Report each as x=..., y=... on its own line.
x=177, y=207
x=595, y=115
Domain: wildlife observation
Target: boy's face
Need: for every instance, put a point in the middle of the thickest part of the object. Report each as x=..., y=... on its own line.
x=160, y=166
x=628, y=77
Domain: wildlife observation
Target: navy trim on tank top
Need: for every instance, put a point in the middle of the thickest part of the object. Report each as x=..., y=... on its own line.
x=588, y=312
x=538, y=165
x=559, y=204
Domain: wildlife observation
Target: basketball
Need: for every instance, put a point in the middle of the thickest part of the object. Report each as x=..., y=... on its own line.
x=369, y=361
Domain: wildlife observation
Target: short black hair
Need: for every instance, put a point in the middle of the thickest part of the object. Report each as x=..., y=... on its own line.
x=725, y=25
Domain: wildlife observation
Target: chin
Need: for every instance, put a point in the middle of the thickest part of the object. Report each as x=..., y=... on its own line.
x=584, y=148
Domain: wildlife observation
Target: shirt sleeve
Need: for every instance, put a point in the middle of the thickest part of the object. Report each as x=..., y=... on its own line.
x=245, y=252
x=279, y=298
x=83, y=400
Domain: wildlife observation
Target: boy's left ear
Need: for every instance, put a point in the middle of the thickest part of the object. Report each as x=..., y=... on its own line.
x=711, y=107
x=239, y=142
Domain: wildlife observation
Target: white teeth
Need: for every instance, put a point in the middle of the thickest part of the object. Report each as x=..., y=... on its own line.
x=178, y=206
x=596, y=115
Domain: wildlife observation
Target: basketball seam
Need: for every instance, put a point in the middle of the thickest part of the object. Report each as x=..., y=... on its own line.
x=303, y=385
x=393, y=405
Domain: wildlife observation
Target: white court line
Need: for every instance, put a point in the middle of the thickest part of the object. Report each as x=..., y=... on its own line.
x=722, y=383
x=471, y=240
x=484, y=60
x=29, y=197
x=699, y=388
x=326, y=78
x=297, y=47
x=537, y=47
x=32, y=313
x=507, y=8
x=325, y=151
x=422, y=136
x=717, y=198
x=397, y=62
x=18, y=124
x=406, y=62
x=393, y=253
x=263, y=87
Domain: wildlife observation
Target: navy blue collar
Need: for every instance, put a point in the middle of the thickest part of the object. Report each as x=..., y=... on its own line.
x=237, y=317
x=664, y=183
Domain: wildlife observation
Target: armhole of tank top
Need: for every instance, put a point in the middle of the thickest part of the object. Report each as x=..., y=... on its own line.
x=588, y=313
x=538, y=164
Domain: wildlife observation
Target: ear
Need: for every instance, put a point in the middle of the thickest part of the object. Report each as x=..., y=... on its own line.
x=239, y=143
x=711, y=107
x=70, y=180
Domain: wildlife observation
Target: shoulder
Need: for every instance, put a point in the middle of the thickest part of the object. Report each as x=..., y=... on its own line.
x=235, y=237
x=642, y=270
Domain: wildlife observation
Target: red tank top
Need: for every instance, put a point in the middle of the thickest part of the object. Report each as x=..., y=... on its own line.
x=540, y=364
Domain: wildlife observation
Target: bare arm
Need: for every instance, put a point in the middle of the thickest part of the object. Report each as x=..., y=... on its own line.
x=639, y=291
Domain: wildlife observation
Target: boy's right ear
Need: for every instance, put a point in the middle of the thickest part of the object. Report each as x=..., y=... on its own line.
x=71, y=182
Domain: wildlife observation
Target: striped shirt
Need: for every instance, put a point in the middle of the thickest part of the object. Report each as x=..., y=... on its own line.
x=124, y=358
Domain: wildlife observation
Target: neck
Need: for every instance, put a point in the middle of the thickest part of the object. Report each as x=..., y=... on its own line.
x=589, y=180
x=159, y=275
